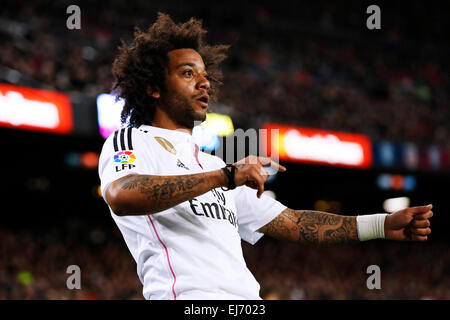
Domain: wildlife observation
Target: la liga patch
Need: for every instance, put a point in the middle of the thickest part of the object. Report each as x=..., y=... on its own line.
x=124, y=157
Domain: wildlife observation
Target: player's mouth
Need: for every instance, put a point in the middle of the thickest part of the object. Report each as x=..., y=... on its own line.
x=203, y=101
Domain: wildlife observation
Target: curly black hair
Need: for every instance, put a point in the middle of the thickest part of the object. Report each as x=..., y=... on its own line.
x=144, y=63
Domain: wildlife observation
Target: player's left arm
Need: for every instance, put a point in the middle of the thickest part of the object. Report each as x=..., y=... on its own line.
x=317, y=227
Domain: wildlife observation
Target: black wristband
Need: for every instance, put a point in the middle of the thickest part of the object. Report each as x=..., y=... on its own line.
x=230, y=176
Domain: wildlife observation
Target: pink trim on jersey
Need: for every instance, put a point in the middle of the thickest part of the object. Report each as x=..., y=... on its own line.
x=168, y=260
x=196, y=155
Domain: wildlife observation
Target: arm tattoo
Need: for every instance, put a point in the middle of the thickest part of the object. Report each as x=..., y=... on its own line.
x=314, y=227
x=164, y=192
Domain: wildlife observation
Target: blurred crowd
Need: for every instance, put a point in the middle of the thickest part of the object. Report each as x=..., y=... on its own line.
x=34, y=266
x=313, y=64
x=298, y=272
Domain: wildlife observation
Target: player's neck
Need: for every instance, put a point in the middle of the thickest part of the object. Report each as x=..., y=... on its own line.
x=162, y=120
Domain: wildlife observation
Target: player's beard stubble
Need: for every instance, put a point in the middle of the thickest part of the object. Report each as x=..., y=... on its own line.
x=180, y=110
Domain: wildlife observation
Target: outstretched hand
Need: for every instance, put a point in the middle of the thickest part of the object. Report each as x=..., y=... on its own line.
x=410, y=224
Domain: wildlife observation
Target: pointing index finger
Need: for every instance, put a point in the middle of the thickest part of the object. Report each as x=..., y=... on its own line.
x=269, y=162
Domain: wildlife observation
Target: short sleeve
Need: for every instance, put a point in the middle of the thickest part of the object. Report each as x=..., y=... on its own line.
x=254, y=213
x=124, y=152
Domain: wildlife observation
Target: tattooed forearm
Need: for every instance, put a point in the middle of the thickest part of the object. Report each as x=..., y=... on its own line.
x=145, y=194
x=314, y=227
x=162, y=188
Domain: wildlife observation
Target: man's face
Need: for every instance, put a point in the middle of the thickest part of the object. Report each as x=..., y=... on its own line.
x=186, y=98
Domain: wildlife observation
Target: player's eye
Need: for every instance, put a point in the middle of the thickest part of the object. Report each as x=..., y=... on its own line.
x=188, y=73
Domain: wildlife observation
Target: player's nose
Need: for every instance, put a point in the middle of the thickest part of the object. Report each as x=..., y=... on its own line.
x=203, y=83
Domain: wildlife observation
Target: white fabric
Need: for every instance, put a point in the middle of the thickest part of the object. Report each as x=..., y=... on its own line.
x=371, y=226
x=192, y=250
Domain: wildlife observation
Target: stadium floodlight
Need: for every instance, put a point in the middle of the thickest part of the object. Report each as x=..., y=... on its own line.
x=108, y=113
x=221, y=124
x=395, y=204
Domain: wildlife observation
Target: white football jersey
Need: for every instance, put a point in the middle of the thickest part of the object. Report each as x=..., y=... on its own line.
x=192, y=250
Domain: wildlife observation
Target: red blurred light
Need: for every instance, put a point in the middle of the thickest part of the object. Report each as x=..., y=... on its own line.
x=89, y=160
x=397, y=182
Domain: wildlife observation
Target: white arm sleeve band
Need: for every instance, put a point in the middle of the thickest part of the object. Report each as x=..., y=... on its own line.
x=370, y=226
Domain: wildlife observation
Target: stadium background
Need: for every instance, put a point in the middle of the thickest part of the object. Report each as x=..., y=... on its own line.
x=313, y=65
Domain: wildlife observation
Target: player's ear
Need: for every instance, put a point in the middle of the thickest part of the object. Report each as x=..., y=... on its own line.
x=153, y=92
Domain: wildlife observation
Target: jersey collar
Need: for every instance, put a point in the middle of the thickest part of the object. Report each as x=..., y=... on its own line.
x=175, y=135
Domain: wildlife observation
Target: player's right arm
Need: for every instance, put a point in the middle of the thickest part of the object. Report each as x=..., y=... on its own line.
x=138, y=194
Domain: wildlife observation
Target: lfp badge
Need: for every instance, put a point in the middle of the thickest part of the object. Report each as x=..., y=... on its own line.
x=125, y=159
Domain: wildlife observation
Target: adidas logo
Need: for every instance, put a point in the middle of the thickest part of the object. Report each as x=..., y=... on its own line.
x=181, y=165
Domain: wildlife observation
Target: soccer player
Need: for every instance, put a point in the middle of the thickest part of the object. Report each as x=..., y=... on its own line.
x=183, y=212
